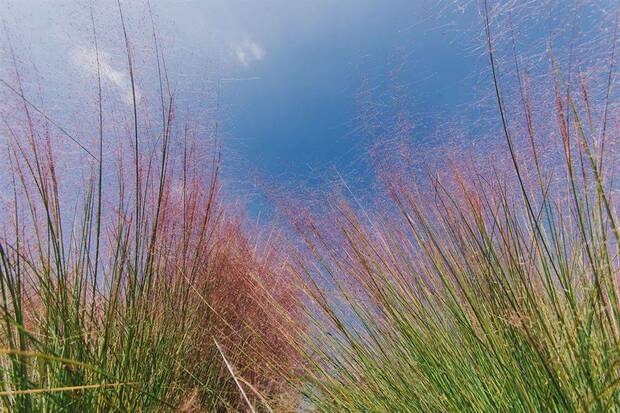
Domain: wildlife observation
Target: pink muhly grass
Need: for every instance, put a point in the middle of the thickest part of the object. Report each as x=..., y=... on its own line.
x=127, y=272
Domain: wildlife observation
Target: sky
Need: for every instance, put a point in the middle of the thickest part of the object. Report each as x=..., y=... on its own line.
x=293, y=75
x=302, y=79
x=301, y=113
x=299, y=89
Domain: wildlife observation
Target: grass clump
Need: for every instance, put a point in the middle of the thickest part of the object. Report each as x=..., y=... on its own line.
x=476, y=291
x=134, y=289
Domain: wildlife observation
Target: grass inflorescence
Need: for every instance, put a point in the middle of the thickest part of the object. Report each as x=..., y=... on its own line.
x=489, y=286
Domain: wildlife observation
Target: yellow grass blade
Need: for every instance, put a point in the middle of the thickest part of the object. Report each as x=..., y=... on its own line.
x=62, y=389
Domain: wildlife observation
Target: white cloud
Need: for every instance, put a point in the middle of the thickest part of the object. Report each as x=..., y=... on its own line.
x=248, y=52
x=86, y=59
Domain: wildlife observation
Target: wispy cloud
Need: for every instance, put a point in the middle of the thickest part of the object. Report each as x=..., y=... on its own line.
x=248, y=52
x=85, y=58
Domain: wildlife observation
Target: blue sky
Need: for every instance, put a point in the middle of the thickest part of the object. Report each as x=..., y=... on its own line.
x=305, y=114
x=302, y=112
x=305, y=86
x=295, y=76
